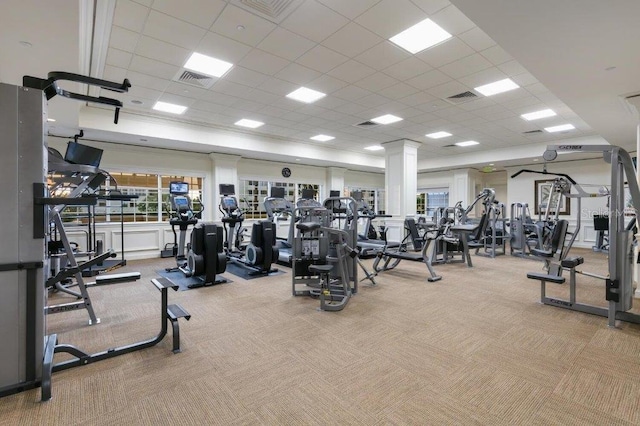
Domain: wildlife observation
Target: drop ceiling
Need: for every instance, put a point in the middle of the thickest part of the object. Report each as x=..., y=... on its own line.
x=340, y=48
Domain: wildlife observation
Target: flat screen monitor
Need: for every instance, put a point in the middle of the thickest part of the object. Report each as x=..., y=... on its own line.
x=178, y=188
x=308, y=194
x=227, y=189
x=181, y=202
x=334, y=193
x=277, y=192
x=229, y=203
x=83, y=154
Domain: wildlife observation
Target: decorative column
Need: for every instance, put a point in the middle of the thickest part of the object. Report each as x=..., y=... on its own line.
x=225, y=171
x=401, y=184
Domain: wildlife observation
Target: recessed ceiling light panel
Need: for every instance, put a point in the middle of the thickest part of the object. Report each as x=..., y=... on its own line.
x=386, y=119
x=496, y=87
x=536, y=115
x=306, y=95
x=560, y=128
x=322, y=138
x=438, y=135
x=374, y=148
x=421, y=36
x=207, y=65
x=467, y=143
x=252, y=124
x=167, y=107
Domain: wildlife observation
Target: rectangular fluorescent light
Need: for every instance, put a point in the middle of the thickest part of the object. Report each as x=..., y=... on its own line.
x=467, y=143
x=306, y=95
x=421, y=36
x=51, y=120
x=374, y=148
x=252, y=124
x=207, y=65
x=560, y=128
x=536, y=115
x=438, y=135
x=497, y=87
x=386, y=119
x=167, y=107
x=322, y=138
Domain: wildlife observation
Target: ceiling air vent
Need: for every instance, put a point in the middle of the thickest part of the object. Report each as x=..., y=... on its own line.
x=461, y=98
x=194, y=79
x=273, y=10
x=531, y=132
x=366, y=124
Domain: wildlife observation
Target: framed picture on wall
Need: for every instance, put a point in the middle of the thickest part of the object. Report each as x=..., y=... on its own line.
x=542, y=190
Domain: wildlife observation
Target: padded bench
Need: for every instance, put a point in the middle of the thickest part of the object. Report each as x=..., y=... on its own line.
x=545, y=277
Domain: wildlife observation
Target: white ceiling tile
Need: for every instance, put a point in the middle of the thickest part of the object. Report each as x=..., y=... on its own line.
x=351, y=93
x=448, y=89
x=278, y=87
x=245, y=76
x=161, y=51
x=139, y=92
x=475, y=104
x=177, y=99
x=477, y=39
x=172, y=30
x=390, y=17
x=286, y=44
x=376, y=82
x=327, y=84
x=223, y=48
x=153, y=68
x=209, y=107
x=118, y=58
x=351, y=71
x=383, y=56
x=114, y=73
x=486, y=76
x=429, y=79
x=351, y=109
x=398, y=91
x=266, y=98
x=523, y=104
x=130, y=15
x=444, y=53
x=496, y=55
x=352, y=8
x=232, y=89
x=512, y=68
x=248, y=105
x=466, y=66
x=146, y=80
x=298, y=74
x=263, y=62
x=351, y=40
x=408, y=68
x=273, y=111
x=255, y=28
x=431, y=6
x=123, y=39
x=452, y=20
x=295, y=116
x=494, y=112
x=144, y=2
x=374, y=100
x=178, y=88
x=314, y=21
x=419, y=98
x=524, y=79
x=322, y=59
x=197, y=12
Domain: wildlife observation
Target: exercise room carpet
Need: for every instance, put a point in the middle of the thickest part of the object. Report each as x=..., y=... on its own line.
x=177, y=277
x=474, y=348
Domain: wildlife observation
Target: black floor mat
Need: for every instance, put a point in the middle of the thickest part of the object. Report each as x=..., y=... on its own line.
x=242, y=272
x=177, y=277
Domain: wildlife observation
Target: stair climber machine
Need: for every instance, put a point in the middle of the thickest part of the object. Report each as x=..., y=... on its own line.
x=261, y=252
x=27, y=352
x=182, y=216
x=281, y=210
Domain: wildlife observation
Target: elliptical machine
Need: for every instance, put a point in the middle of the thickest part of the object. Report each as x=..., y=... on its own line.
x=261, y=252
x=182, y=216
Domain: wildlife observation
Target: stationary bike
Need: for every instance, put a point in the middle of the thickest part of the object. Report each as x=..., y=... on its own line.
x=261, y=252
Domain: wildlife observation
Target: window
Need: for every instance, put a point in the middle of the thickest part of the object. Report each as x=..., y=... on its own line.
x=252, y=193
x=148, y=207
x=374, y=197
x=430, y=200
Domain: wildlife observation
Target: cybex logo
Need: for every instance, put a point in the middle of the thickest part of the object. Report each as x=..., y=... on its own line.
x=570, y=147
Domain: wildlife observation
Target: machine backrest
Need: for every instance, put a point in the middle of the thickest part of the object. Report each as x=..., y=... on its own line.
x=558, y=235
x=482, y=225
x=414, y=235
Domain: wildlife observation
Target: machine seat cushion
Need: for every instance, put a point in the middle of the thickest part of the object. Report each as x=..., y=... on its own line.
x=545, y=277
x=572, y=262
x=322, y=269
x=541, y=253
x=308, y=226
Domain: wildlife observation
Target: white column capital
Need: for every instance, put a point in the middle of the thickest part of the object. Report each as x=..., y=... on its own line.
x=401, y=144
x=227, y=159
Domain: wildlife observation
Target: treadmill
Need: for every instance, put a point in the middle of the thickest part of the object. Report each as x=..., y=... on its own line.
x=278, y=209
x=369, y=247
